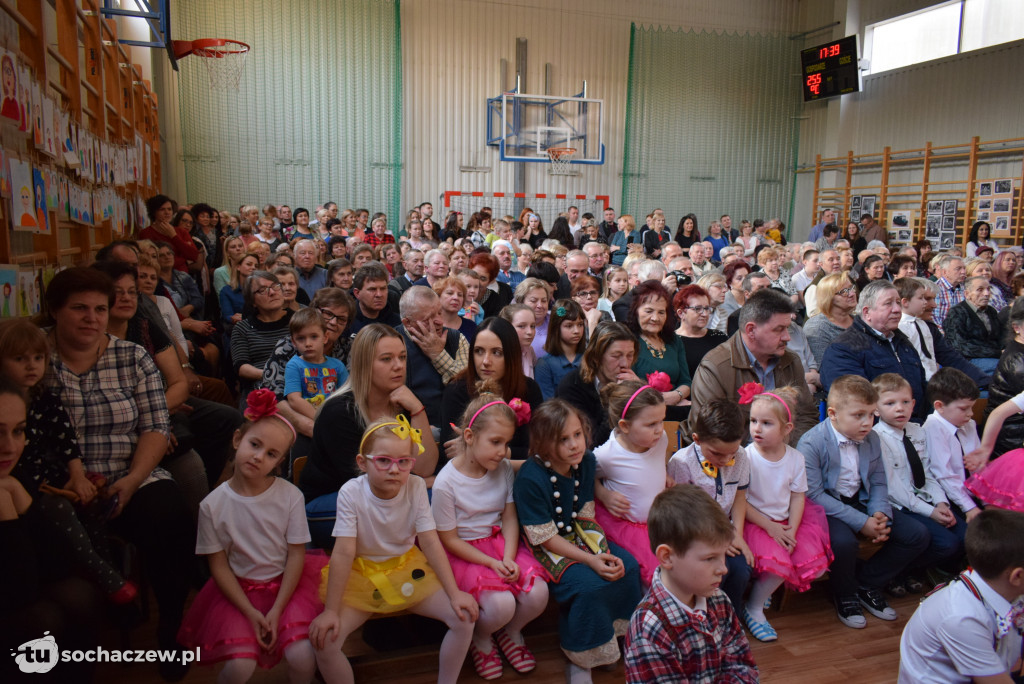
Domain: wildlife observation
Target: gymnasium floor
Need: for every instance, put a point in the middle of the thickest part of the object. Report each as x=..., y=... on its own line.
x=813, y=647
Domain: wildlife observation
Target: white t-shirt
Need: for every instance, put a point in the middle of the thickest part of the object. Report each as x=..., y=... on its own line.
x=638, y=477
x=255, y=531
x=951, y=638
x=771, y=482
x=383, y=528
x=471, y=505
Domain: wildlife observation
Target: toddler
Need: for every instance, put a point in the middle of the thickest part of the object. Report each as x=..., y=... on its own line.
x=310, y=376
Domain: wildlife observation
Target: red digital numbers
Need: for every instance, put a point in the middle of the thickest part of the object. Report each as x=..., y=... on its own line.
x=814, y=83
x=829, y=51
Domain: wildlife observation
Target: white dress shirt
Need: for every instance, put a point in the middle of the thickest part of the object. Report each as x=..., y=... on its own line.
x=902, y=492
x=917, y=330
x=947, y=445
x=848, y=483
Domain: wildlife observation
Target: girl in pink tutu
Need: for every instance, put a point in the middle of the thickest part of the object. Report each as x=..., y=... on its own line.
x=789, y=534
x=376, y=565
x=478, y=525
x=258, y=604
x=631, y=468
x=999, y=482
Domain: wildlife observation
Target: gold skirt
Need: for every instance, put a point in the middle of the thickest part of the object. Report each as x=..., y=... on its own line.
x=389, y=586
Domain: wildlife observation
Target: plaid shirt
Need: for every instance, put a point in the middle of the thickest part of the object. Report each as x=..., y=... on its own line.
x=374, y=241
x=668, y=645
x=947, y=298
x=111, y=404
x=446, y=366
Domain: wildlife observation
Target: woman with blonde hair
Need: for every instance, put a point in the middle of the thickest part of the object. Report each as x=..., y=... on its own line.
x=536, y=294
x=770, y=261
x=837, y=300
x=620, y=244
x=234, y=249
x=716, y=287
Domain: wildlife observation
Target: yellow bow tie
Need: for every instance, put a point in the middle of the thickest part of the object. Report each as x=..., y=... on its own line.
x=712, y=470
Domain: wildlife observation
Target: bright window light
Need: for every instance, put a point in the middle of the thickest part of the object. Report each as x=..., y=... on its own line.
x=991, y=22
x=915, y=38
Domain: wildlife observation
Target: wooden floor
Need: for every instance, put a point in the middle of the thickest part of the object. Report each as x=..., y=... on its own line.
x=813, y=647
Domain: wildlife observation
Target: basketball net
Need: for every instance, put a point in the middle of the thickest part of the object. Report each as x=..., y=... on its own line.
x=224, y=59
x=560, y=160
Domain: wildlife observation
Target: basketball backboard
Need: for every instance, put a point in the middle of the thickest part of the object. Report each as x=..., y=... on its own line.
x=523, y=126
x=156, y=14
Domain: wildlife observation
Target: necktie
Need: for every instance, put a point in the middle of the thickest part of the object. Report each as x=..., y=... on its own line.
x=920, y=336
x=914, y=459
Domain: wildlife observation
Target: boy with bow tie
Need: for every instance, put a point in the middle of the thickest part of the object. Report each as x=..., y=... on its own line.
x=970, y=629
x=845, y=476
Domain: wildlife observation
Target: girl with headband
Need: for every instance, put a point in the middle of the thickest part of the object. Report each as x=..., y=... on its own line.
x=787, y=534
x=376, y=565
x=631, y=468
x=262, y=595
x=477, y=523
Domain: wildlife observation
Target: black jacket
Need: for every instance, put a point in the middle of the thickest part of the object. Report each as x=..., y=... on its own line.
x=966, y=332
x=945, y=355
x=1008, y=382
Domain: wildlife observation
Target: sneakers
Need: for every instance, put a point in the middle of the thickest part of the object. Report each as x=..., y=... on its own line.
x=849, y=612
x=875, y=603
x=896, y=589
x=914, y=585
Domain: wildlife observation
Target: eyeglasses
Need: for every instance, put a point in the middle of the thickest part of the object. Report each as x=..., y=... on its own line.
x=587, y=293
x=330, y=317
x=267, y=289
x=384, y=463
x=846, y=291
x=125, y=293
x=701, y=309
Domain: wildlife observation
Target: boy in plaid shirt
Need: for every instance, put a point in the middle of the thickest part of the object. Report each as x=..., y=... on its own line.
x=685, y=629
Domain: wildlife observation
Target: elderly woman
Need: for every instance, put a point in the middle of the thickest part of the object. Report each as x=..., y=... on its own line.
x=536, y=294
x=873, y=268
x=837, y=300
x=114, y=396
x=902, y=266
x=586, y=291
x=653, y=320
x=734, y=274
x=160, y=209
x=692, y=305
x=496, y=294
x=255, y=336
x=622, y=240
x=608, y=358
x=375, y=389
x=972, y=327
x=452, y=293
x=717, y=288
x=770, y=261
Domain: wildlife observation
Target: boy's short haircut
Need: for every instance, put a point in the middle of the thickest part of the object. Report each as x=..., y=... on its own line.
x=370, y=271
x=890, y=382
x=719, y=419
x=995, y=542
x=685, y=514
x=949, y=384
x=851, y=388
x=908, y=287
x=306, y=317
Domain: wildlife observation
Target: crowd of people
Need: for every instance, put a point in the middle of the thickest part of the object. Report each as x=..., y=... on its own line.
x=474, y=418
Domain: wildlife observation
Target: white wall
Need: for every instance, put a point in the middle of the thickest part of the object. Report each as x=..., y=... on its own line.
x=451, y=65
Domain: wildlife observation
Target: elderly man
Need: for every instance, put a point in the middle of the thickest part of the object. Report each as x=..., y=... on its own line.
x=576, y=264
x=312, y=276
x=973, y=327
x=756, y=354
x=828, y=217
x=435, y=269
x=670, y=251
x=370, y=288
x=699, y=260
x=435, y=354
x=413, y=262
x=872, y=230
x=598, y=254
x=874, y=344
x=951, y=273
x=502, y=251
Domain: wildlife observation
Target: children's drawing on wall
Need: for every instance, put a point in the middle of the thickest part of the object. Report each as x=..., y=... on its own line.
x=25, y=97
x=42, y=217
x=49, y=144
x=37, y=116
x=8, y=291
x=10, y=108
x=28, y=293
x=24, y=213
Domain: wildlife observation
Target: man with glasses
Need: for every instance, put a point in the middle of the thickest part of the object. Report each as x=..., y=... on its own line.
x=598, y=254
x=502, y=251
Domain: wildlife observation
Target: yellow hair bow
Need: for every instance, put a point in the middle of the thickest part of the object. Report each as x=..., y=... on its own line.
x=401, y=428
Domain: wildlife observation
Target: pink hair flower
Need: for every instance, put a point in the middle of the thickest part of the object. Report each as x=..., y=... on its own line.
x=660, y=381
x=750, y=390
x=521, y=409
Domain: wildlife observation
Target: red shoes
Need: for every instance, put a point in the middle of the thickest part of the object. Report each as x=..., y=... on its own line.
x=488, y=665
x=519, y=657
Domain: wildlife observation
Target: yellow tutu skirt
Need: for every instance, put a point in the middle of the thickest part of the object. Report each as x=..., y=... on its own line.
x=389, y=586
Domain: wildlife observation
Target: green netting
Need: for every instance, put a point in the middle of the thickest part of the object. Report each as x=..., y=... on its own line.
x=318, y=112
x=710, y=125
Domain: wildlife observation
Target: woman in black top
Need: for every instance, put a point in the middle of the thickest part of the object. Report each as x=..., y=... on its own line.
x=693, y=306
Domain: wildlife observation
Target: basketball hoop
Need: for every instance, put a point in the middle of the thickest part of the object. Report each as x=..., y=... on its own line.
x=224, y=59
x=560, y=159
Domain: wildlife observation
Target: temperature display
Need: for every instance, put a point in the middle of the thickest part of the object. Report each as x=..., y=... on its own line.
x=831, y=69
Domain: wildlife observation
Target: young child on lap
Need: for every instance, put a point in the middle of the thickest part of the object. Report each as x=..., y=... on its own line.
x=969, y=630
x=685, y=630
x=845, y=476
x=717, y=463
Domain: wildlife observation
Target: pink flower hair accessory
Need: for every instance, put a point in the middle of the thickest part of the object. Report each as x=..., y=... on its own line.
x=749, y=390
x=262, y=403
x=660, y=381
x=521, y=409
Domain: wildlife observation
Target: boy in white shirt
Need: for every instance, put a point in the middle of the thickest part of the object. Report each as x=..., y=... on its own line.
x=912, y=488
x=969, y=630
x=951, y=433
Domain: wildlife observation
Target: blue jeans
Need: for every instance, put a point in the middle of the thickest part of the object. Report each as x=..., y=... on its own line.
x=736, y=580
x=320, y=514
x=987, y=365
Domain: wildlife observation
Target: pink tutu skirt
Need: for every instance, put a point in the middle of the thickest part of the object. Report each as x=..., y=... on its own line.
x=220, y=630
x=812, y=556
x=631, y=536
x=999, y=483
x=475, y=579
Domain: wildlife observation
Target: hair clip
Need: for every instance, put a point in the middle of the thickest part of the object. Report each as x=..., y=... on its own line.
x=560, y=311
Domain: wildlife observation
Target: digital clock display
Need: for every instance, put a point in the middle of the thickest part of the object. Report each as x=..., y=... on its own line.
x=830, y=69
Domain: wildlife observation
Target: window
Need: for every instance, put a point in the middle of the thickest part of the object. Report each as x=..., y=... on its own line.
x=946, y=29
